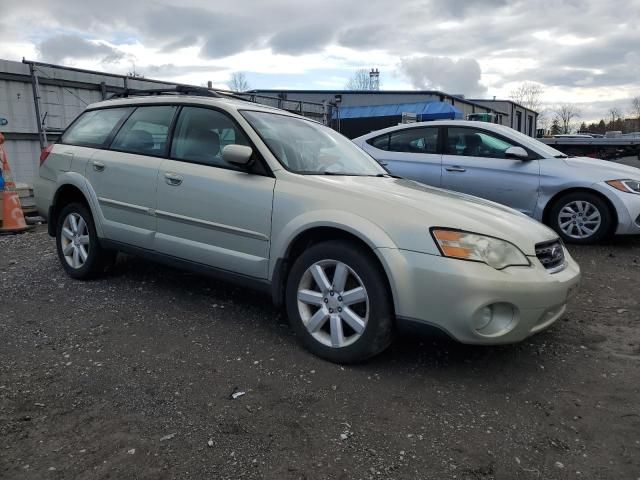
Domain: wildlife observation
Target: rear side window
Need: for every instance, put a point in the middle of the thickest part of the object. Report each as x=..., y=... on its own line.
x=414, y=140
x=381, y=143
x=145, y=132
x=202, y=133
x=93, y=128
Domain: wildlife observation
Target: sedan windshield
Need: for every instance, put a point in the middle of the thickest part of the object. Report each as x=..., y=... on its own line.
x=306, y=147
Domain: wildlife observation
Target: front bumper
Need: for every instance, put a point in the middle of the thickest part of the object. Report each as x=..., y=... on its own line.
x=474, y=303
x=627, y=207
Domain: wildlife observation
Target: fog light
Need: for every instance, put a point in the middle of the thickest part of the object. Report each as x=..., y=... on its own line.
x=484, y=318
x=495, y=319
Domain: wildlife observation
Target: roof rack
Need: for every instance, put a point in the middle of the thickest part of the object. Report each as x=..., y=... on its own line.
x=177, y=90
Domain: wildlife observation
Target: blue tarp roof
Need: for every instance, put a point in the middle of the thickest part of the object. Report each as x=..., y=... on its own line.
x=423, y=110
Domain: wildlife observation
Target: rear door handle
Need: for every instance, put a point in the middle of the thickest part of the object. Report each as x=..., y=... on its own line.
x=455, y=169
x=173, y=179
x=98, y=166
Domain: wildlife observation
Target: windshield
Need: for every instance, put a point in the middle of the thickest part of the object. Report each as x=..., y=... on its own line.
x=306, y=147
x=542, y=148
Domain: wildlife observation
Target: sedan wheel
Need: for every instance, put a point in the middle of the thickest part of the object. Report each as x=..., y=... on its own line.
x=579, y=219
x=338, y=302
x=334, y=312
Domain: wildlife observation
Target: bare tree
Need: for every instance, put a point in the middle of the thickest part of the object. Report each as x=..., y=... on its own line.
x=544, y=121
x=565, y=114
x=635, y=110
x=528, y=94
x=615, y=114
x=238, y=82
x=361, y=80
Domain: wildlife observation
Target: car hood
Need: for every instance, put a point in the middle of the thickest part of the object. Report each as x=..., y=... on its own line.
x=397, y=204
x=601, y=170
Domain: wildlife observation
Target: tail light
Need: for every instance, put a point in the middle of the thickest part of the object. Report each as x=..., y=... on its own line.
x=45, y=153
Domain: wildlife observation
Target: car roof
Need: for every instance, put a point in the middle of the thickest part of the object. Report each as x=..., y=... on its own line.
x=226, y=103
x=434, y=123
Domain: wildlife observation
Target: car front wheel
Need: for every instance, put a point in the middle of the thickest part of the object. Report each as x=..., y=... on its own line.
x=581, y=218
x=338, y=302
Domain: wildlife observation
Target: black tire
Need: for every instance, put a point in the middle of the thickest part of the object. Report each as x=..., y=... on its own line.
x=606, y=217
x=98, y=259
x=379, y=327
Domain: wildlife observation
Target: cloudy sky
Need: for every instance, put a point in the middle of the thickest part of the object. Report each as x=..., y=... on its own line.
x=582, y=51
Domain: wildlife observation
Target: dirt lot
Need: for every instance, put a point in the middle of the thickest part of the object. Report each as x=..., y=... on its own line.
x=130, y=377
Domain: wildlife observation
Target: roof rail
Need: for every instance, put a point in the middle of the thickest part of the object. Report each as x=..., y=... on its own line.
x=177, y=90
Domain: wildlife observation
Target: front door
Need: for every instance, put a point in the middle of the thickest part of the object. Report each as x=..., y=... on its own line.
x=209, y=211
x=124, y=177
x=474, y=162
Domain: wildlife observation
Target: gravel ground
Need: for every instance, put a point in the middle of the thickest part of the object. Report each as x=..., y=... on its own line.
x=131, y=376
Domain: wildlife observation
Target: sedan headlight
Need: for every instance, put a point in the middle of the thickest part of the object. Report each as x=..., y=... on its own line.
x=629, y=186
x=494, y=252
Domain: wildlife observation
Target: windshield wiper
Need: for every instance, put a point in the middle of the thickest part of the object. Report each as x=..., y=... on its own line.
x=388, y=175
x=561, y=156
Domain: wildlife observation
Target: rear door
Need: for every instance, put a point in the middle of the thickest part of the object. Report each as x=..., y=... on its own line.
x=410, y=153
x=124, y=177
x=474, y=162
x=209, y=211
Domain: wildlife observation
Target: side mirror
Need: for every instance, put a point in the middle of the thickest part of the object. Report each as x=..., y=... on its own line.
x=237, y=155
x=518, y=153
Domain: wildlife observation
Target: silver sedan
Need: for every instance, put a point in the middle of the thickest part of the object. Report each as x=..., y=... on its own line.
x=583, y=199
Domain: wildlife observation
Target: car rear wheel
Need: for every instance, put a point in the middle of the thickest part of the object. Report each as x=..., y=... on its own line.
x=338, y=303
x=77, y=243
x=581, y=218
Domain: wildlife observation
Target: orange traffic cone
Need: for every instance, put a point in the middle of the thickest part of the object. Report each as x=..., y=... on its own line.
x=12, y=216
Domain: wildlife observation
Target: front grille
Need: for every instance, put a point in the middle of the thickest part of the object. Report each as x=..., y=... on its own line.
x=551, y=255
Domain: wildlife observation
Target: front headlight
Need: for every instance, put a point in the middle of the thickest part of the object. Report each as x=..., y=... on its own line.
x=479, y=248
x=629, y=186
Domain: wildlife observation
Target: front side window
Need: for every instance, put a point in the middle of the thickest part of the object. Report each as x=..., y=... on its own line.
x=94, y=127
x=202, y=133
x=472, y=142
x=307, y=147
x=145, y=132
x=414, y=140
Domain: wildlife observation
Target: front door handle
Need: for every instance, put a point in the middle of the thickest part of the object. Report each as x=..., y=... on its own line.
x=455, y=169
x=173, y=179
x=98, y=166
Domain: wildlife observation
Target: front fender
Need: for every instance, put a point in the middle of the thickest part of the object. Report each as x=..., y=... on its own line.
x=284, y=236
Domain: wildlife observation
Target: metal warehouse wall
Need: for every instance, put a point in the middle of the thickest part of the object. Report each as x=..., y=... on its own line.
x=63, y=95
x=386, y=97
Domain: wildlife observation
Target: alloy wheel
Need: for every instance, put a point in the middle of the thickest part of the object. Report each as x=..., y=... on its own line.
x=75, y=240
x=579, y=219
x=335, y=312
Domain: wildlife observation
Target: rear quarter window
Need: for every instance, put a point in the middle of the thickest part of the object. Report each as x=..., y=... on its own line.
x=145, y=132
x=92, y=128
x=381, y=143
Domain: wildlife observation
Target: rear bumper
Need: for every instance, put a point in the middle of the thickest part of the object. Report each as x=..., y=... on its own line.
x=43, y=192
x=474, y=303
